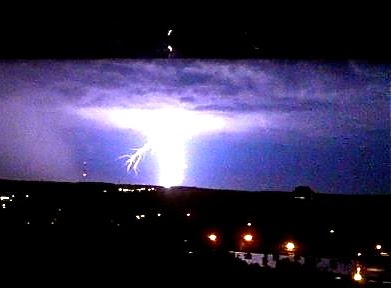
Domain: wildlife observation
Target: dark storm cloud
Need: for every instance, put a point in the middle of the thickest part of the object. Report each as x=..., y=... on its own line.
x=33, y=144
x=187, y=99
x=69, y=90
x=39, y=101
x=285, y=105
x=215, y=86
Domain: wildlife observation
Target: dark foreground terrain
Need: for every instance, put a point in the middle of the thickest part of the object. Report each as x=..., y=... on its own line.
x=95, y=234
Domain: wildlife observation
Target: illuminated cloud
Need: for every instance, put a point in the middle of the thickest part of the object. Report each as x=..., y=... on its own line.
x=54, y=105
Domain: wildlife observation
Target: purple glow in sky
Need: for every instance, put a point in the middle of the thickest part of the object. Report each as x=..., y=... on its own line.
x=248, y=125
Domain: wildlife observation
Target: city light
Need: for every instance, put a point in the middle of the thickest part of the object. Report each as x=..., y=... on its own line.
x=212, y=237
x=142, y=216
x=158, y=214
x=120, y=189
x=248, y=237
x=290, y=246
x=27, y=195
x=188, y=214
x=357, y=276
x=138, y=217
x=359, y=254
x=249, y=224
x=169, y=48
x=332, y=231
x=4, y=198
x=378, y=247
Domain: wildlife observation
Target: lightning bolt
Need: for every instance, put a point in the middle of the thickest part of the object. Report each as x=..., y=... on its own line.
x=133, y=160
x=167, y=133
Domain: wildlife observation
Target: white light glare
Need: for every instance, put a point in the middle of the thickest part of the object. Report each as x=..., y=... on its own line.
x=249, y=224
x=212, y=237
x=142, y=216
x=169, y=32
x=290, y=246
x=167, y=131
x=158, y=214
x=332, y=231
x=359, y=254
x=169, y=48
x=378, y=247
x=357, y=276
x=4, y=198
x=248, y=237
x=27, y=196
x=188, y=214
x=138, y=217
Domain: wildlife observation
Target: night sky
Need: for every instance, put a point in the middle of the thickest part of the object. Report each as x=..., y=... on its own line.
x=280, y=124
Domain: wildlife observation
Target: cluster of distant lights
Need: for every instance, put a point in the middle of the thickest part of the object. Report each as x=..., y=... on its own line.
x=289, y=246
x=358, y=276
x=4, y=199
x=141, y=216
x=248, y=237
x=134, y=190
x=212, y=237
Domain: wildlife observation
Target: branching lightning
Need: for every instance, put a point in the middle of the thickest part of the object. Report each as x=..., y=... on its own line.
x=171, y=156
x=133, y=160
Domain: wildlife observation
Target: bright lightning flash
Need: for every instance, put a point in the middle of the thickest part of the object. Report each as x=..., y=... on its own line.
x=167, y=132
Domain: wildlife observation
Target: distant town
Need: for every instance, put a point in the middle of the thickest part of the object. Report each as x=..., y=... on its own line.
x=334, y=233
